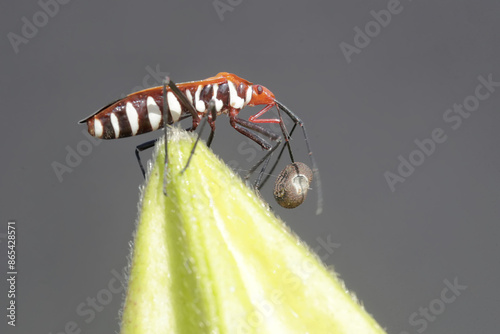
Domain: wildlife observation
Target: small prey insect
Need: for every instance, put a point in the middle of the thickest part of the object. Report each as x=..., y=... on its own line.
x=154, y=108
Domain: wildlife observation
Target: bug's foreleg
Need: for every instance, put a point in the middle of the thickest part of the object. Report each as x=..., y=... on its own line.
x=242, y=125
x=255, y=119
x=278, y=158
x=315, y=170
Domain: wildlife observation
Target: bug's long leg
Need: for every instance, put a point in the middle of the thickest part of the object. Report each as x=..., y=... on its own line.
x=252, y=136
x=287, y=137
x=257, y=128
x=265, y=159
x=241, y=126
x=212, y=115
x=211, y=109
x=315, y=170
x=165, y=118
x=180, y=95
x=255, y=119
x=261, y=173
x=140, y=148
x=278, y=158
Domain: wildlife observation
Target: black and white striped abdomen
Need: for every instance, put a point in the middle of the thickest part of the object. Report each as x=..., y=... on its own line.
x=142, y=112
x=137, y=113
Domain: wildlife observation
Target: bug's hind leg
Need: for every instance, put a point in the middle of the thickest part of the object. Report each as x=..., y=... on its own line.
x=212, y=115
x=241, y=126
x=211, y=111
x=265, y=161
x=140, y=148
x=315, y=170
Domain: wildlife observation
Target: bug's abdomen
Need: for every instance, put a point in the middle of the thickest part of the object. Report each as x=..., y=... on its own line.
x=137, y=113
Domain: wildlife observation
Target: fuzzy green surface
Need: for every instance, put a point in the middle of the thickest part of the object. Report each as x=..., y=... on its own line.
x=212, y=258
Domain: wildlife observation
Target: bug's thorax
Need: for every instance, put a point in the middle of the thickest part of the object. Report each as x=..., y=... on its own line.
x=239, y=92
x=228, y=91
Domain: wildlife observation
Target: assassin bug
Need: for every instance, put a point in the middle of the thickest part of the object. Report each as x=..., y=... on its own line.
x=225, y=93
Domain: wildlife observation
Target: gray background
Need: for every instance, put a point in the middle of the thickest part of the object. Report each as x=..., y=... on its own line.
x=396, y=248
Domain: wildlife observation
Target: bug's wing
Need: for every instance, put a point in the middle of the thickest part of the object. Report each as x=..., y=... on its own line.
x=97, y=112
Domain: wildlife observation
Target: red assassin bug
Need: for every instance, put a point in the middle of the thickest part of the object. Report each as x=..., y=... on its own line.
x=225, y=93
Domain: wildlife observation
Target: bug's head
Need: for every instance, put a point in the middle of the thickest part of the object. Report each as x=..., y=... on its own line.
x=261, y=95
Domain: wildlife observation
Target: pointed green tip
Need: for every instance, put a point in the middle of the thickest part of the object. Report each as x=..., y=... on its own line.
x=212, y=258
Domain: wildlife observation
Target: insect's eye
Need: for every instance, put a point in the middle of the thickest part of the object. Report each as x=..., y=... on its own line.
x=259, y=89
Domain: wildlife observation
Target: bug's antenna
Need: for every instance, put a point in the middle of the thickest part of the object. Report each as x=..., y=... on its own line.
x=315, y=170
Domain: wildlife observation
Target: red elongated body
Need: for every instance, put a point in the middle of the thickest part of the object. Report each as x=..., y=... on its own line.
x=141, y=112
x=225, y=93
